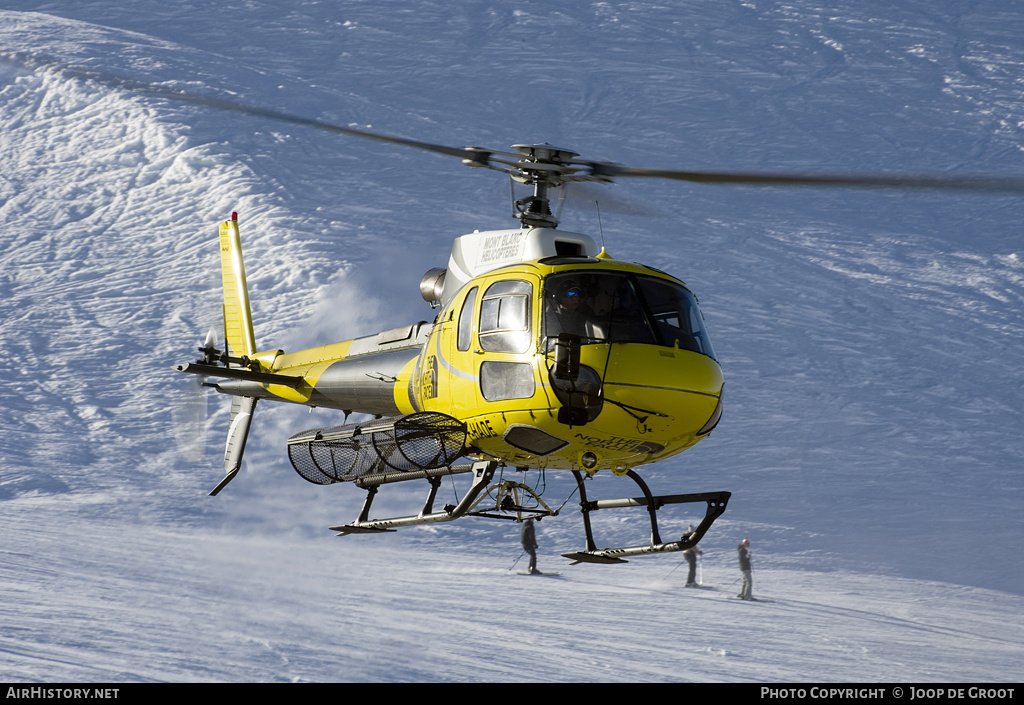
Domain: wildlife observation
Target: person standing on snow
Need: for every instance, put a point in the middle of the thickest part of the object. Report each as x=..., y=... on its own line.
x=748, y=583
x=690, y=555
x=529, y=540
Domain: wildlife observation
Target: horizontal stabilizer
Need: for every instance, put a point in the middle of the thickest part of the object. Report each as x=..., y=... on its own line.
x=196, y=368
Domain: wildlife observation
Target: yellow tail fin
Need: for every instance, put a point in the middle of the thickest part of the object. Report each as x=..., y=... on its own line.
x=238, y=331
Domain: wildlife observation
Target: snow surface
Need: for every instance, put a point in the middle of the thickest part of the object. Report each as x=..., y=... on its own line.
x=871, y=341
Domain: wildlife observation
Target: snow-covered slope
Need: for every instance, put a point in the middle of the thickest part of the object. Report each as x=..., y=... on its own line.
x=871, y=341
x=160, y=604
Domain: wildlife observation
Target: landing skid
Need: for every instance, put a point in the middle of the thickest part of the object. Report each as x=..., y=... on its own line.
x=502, y=500
x=716, y=503
x=517, y=501
x=482, y=474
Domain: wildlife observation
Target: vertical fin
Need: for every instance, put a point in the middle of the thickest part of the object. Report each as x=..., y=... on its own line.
x=238, y=330
x=242, y=409
x=240, y=340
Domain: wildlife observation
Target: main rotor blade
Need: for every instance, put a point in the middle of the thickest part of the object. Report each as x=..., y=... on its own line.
x=568, y=168
x=472, y=154
x=460, y=152
x=997, y=184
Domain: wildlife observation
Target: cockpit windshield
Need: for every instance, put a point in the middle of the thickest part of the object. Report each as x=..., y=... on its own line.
x=621, y=307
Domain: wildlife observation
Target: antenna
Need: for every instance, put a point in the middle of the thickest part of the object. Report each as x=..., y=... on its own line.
x=600, y=228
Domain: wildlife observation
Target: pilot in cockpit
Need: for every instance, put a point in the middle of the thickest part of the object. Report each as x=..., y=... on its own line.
x=566, y=312
x=571, y=310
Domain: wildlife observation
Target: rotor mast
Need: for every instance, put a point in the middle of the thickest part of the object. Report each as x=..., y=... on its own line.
x=542, y=166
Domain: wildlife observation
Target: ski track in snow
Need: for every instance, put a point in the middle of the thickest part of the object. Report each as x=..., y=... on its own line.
x=871, y=341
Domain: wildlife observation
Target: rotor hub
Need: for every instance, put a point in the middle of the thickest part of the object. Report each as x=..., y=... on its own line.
x=542, y=166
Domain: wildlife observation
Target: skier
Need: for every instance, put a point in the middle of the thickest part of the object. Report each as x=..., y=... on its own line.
x=748, y=582
x=690, y=555
x=529, y=540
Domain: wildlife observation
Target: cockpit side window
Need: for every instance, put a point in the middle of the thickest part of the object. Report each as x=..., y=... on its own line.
x=505, y=320
x=466, y=321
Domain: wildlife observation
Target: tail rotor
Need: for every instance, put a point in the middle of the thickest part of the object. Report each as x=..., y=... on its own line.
x=189, y=413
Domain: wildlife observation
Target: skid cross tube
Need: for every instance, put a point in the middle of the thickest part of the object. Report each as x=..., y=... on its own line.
x=482, y=474
x=716, y=503
x=510, y=498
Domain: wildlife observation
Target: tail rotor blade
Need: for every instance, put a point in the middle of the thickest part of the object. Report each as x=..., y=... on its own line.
x=188, y=420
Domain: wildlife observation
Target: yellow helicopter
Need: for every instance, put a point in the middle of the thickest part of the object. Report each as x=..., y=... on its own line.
x=545, y=353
